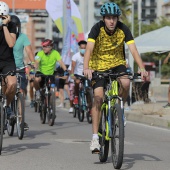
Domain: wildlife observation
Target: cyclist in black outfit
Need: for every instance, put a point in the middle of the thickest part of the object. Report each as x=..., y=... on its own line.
x=7, y=62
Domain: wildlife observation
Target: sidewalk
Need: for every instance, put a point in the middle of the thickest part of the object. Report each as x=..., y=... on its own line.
x=151, y=114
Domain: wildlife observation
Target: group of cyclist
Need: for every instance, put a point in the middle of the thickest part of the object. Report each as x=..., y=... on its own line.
x=104, y=50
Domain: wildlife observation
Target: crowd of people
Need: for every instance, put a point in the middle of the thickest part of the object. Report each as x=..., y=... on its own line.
x=104, y=50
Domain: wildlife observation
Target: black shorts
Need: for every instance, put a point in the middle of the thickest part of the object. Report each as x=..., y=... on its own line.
x=6, y=66
x=61, y=83
x=43, y=78
x=100, y=82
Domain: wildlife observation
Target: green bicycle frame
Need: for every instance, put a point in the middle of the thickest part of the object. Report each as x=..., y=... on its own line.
x=111, y=95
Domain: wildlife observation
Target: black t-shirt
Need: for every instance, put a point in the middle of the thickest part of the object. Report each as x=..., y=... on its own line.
x=6, y=53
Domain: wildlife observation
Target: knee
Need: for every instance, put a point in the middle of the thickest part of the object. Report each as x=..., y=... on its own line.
x=97, y=102
x=125, y=84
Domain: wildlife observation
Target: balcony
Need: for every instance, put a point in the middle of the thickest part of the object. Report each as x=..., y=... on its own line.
x=151, y=5
x=149, y=16
x=98, y=3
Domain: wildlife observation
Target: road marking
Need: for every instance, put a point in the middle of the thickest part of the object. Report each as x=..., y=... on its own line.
x=81, y=141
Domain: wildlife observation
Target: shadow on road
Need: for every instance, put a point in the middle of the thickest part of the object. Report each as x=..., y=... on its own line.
x=130, y=159
x=16, y=148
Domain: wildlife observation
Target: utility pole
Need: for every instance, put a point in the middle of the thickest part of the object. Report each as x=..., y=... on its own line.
x=139, y=16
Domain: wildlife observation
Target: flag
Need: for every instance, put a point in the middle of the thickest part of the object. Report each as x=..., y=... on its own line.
x=74, y=31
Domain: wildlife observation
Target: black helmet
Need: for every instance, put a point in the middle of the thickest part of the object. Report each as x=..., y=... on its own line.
x=16, y=20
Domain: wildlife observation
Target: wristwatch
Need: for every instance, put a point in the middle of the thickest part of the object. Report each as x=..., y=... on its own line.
x=4, y=25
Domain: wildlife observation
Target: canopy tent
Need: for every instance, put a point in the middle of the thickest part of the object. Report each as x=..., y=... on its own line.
x=154, y=41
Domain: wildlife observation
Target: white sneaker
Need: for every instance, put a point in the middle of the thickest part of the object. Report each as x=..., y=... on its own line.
x=71, y=110
x=95, y=146
x=60, y=105
x=124, y=121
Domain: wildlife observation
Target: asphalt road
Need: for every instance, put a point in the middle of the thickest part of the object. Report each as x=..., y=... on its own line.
x=65, y=146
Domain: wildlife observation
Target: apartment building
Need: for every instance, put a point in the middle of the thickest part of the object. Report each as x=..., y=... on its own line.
x=166, y=10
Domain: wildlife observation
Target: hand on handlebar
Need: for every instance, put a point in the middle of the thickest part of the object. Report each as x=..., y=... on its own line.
x=143, y=73
x=88, y=73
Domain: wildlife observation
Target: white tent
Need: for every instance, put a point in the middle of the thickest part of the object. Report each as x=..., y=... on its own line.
x=154, y=41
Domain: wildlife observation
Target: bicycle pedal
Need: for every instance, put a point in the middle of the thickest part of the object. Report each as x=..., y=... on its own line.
x=25, y=129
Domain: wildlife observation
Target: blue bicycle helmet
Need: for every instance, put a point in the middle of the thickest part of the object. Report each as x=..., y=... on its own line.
x=110, y=8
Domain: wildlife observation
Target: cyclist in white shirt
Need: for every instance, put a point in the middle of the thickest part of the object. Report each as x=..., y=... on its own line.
x=77, y=68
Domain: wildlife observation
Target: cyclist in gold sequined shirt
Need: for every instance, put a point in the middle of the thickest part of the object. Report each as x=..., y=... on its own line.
x=105, y=51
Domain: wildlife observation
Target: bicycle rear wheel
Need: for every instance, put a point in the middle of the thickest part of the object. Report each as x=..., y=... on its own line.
x=10, y=125
x=42, y=108
x=52, y=108
x=80, y=111
x=20, y=115
x=1, y=126
x=117, y=141
x=104, y=149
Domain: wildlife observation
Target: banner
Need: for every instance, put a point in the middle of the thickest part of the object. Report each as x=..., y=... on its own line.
x=74, y=29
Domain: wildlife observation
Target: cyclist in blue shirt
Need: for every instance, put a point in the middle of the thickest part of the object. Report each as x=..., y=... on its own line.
x=22, y=43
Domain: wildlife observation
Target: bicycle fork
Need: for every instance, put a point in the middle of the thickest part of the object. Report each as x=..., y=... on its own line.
x=110, y=114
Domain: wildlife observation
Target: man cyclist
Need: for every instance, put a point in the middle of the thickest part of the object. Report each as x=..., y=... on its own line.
x=77, y=68
x=46, y=61
x=105, y=51
x=7, y=63
x=22, y=42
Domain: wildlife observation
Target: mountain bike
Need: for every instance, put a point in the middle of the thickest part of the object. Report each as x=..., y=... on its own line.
x=3, y=101
x=85, y=99
x=18, y=107
x=111, y=126
x=47, y=102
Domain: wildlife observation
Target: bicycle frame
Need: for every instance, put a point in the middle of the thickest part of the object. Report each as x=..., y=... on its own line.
x=111, y=95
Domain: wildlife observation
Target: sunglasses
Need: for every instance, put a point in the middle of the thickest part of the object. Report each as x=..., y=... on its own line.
x=46, y=46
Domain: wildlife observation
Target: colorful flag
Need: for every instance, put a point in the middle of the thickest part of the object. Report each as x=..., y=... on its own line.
x=74, y=31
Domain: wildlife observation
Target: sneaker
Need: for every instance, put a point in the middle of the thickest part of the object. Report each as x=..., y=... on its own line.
x=167, y=106
x=32, y=104
x=95, y=146
x=76, y=101
x=10, y=113
x=60, y=105
x=26, y=127
x=71, y=110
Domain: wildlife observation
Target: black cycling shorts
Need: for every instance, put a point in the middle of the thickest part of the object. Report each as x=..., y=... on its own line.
x=43, y=78
x=6, y=66
x=101, y=82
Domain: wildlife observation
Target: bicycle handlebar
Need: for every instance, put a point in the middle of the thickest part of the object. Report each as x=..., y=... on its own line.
x=114, y=76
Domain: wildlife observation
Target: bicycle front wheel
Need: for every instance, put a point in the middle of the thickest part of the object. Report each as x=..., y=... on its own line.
x=1, y=126
x=20, y=115
x=117, y=141
x=51, y=111
x=10, y=125
x=81, y=111
x=104, y=149
x=42, y=108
